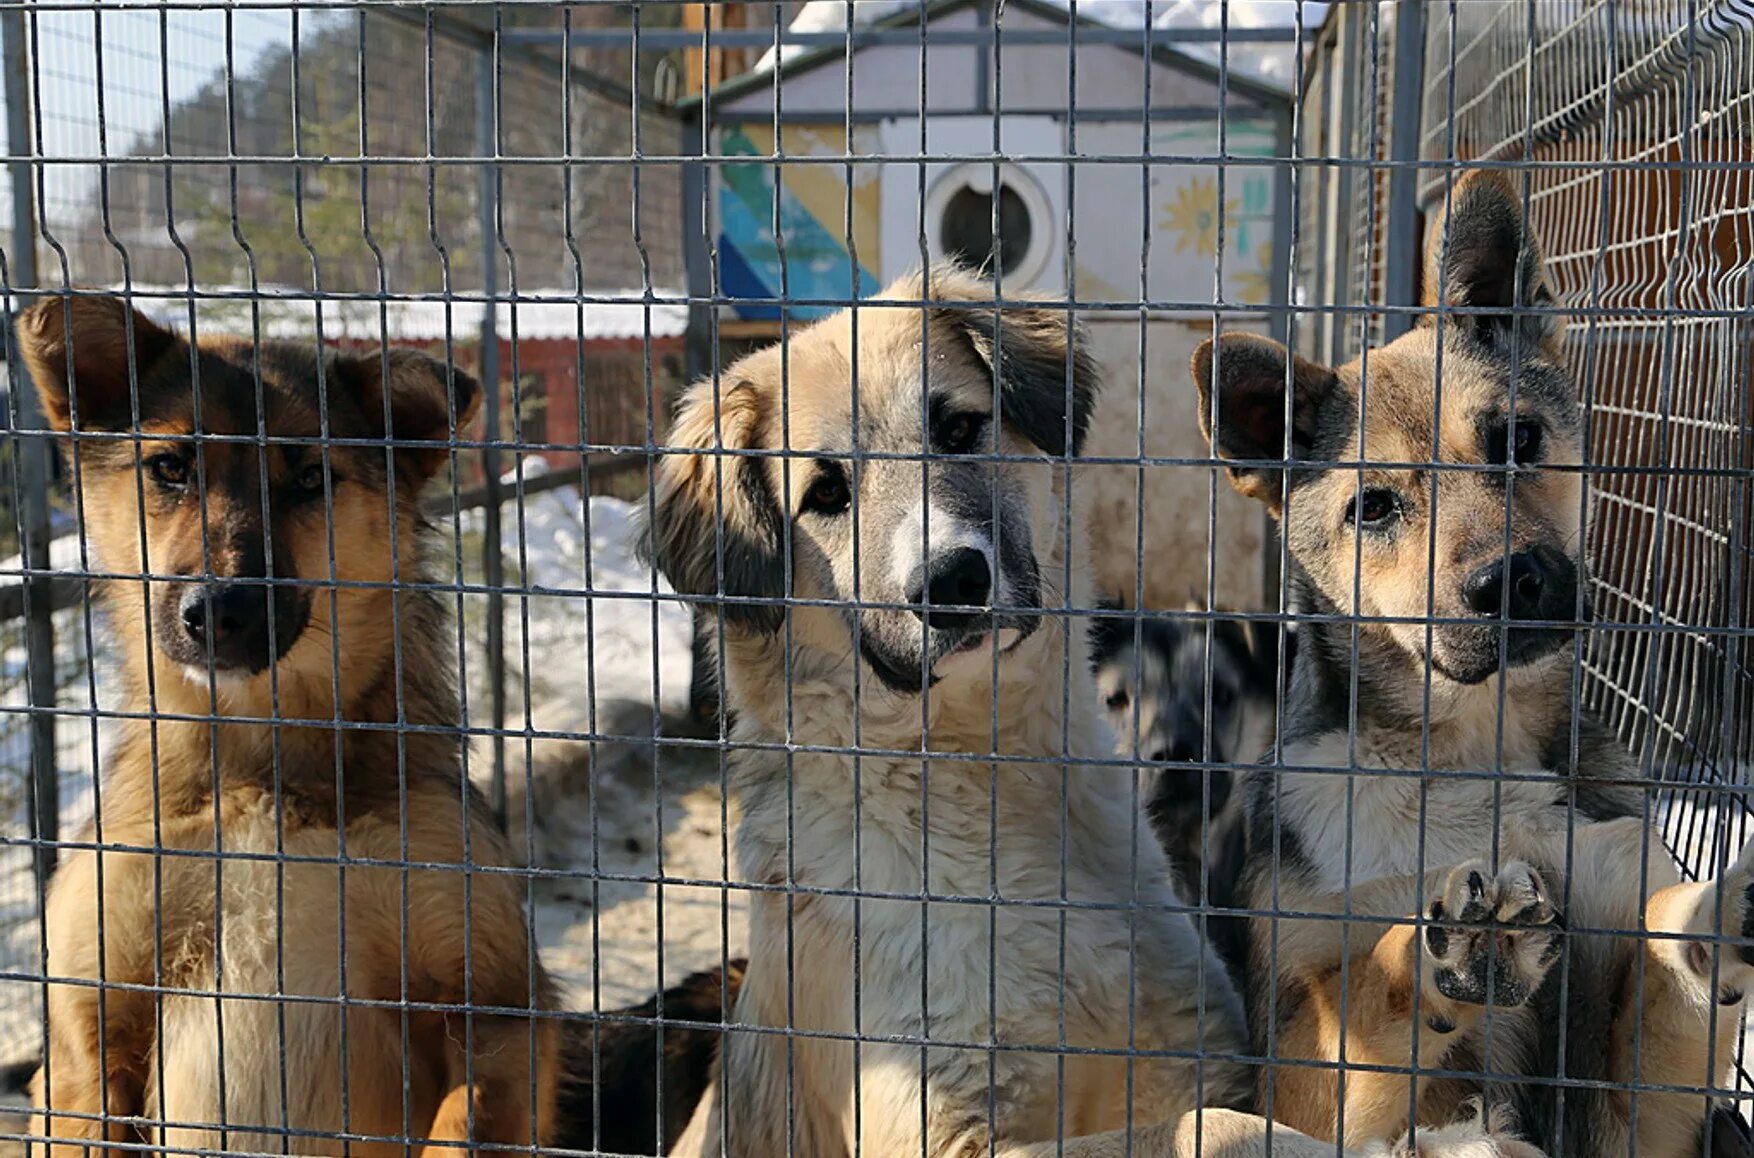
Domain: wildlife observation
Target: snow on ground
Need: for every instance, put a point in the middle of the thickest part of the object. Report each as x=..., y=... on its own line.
x=622, y=805
x=559, y=551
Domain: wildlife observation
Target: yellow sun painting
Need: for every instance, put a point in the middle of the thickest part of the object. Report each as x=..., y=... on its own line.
x=1191, y=216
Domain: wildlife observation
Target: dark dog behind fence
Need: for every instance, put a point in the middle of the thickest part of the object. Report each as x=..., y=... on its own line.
x=379, y=172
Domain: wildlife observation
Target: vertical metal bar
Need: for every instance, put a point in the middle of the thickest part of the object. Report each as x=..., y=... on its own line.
x=1348, y=184
x=699, y=356
x=492, y=556
x=34, y=466
x=696, y=261
x=1401, y=249
x=1285, y=228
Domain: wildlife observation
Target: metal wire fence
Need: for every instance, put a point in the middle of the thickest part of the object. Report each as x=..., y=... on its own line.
x=1654, y=243
x=427, y=718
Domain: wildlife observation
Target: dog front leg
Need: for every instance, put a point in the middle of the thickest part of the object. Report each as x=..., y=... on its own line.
x=766, y=1097
x=1678, y=1009
x=501, y=1092
x=1682, y=1011
x=700, y=1138
x=99, y=1037
x=1378, y=1029
x=1489, y=940
x=90, y=1078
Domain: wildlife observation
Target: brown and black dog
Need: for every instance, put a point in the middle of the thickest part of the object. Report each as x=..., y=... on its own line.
x=220, y=978
x=1433, y=762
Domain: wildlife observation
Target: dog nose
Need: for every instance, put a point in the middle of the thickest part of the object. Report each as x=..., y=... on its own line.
x=1521, y=579
x=228, y=615
x=956, y=579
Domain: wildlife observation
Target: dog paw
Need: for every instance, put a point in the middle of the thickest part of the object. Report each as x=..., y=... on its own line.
x=1492, y=938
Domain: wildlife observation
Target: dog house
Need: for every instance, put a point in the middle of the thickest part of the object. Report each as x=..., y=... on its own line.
x=939, y=130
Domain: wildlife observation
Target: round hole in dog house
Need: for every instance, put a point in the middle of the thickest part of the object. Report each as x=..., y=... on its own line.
x=965, y=231
x=959, y=208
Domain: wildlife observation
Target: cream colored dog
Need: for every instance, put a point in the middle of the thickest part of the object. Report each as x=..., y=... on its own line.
x=976, y=1022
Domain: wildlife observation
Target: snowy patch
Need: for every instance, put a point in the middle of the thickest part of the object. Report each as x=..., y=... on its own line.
x=586, y=621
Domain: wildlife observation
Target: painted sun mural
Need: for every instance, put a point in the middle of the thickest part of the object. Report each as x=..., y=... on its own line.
x=1187, y=221
x=1191, y=216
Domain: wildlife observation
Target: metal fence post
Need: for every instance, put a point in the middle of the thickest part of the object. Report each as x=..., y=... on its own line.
x=700, y=353
x=1279, y=314
x=32, y=457
x=1401, y=249
x=492, y=552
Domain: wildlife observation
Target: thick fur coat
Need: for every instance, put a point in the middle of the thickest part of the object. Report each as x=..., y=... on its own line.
x=956, y=935
x=203, y=934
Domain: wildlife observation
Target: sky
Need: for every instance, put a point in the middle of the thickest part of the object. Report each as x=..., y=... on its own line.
x=136, y=79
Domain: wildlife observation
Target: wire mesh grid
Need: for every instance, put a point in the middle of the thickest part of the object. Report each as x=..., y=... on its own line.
x=1651, y=238
x=960, y=761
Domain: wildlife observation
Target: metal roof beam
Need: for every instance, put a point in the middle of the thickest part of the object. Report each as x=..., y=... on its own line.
x=672, y=38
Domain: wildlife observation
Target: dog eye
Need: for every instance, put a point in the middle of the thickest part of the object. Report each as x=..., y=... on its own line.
x=958, y=433
x=169, y=468
x=310, y=479
x=1118, y=702
x=1527, y=442
x=1372, y=509
x=1222, y=696
x=828, y=495
x=1517, y=443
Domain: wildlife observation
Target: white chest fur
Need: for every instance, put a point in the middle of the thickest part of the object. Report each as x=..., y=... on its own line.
x=278, y=1051
x=1014, y=901
x=1366, y=810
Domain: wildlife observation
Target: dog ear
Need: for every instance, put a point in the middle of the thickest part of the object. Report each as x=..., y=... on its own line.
x=1038, y=355
x=1109, y=636
x=1488, y=258
x=423, y=393
x=1240, y=381
x=79, y=350
x=703, y=502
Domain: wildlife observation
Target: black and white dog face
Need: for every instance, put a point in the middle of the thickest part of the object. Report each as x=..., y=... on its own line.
x=921, y=565
x=1152, y=675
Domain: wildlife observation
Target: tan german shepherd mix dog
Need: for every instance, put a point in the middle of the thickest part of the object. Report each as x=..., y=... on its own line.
x=993, y=1017
x=1432, y=763
x=202, y=943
